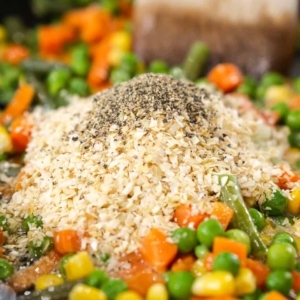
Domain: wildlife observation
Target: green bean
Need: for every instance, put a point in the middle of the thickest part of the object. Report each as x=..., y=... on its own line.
x=195, y=60
x=231, y=195
x=41, y=93
x=59, y=292
x=38, y=66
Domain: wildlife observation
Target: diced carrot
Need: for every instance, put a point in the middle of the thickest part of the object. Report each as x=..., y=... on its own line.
x=53, y=38
x=214, y=298
x=288, y=176
x=227, y=77
x=14, y=54
x=19, y=103
x=294, y=102
x=1, y=251
x=95, y=25
x=274, y=295
x=98, y=73
x=208, y=261
x=185, y=216
x=20, y=132
x=296, y=281
x=223, y=213
x=157, y=250
x=222, y=244
x=141, y=281
x=260, y=271
x=2, y=238
x=183, y=263
x=66, y=241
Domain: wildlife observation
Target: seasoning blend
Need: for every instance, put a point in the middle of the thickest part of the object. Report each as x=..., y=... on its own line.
x=257, y=35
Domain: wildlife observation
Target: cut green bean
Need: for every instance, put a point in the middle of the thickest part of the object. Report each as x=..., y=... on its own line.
x=231, y=196
x=38, y=66
x=195, y=60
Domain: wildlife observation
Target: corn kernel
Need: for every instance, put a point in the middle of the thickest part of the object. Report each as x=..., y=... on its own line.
x=217, y=283
x=5, y=140
x=84, y=292
x=121, y=40
x=115, y=56
x=157, y=291
x=245, y=282
x=79, y=266
x=293, y=205
x=276, y=94
x=129, y=295
x=47, y=281
x=198, y=268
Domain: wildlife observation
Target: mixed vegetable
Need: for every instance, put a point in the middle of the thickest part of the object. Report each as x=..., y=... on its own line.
x=237, y=252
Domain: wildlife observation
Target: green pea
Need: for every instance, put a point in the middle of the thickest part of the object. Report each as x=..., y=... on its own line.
x=253, y=296
x=113, y=287
x=79, y=87
x=201, y=80
x=57, y=80
x=104, y=257
x=296, y=85
x=185, y=238
x=258, y=218
x=280, y=280
x=282, y=109
x=297, y=266
x=294, y=139
x=111, y=6
x=272, y=78
x=32, y=221
x=227, y=261
x=62, y=263
x=260, y=92
x=176, y=72
x=293, y=119
x=276, y=205
x=38, y=248
x=4, y=223
x=284, y=237
x=248, y=87
x=180, y=284
x=96, y=278
x=6, y=269
x=119, y=75
x=201, y=251
x=239, y=236
x=80, y=60
x=129, y=64
x=208, y=230
x=281, y=257
x=3, y=157
x=158, y=66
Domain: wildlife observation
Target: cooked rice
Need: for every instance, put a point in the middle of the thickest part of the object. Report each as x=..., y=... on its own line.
x=119, y=163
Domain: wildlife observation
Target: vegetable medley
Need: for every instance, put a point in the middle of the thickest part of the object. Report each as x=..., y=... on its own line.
x=237, y=252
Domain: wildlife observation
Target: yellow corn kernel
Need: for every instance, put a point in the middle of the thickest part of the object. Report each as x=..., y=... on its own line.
x=79, y=266
x=245, y=282
x=5, y=140
x=2, y=34
x=129, y=295
x=121, y=40
x=115, y=56
x=84, y=292
x=47, y=281
x=198, y=268
x=293, y=205
x=157, y=291
x=217, y=283
x=276, y=94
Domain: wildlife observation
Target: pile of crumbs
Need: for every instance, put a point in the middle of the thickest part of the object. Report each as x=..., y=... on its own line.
x=119, y=163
